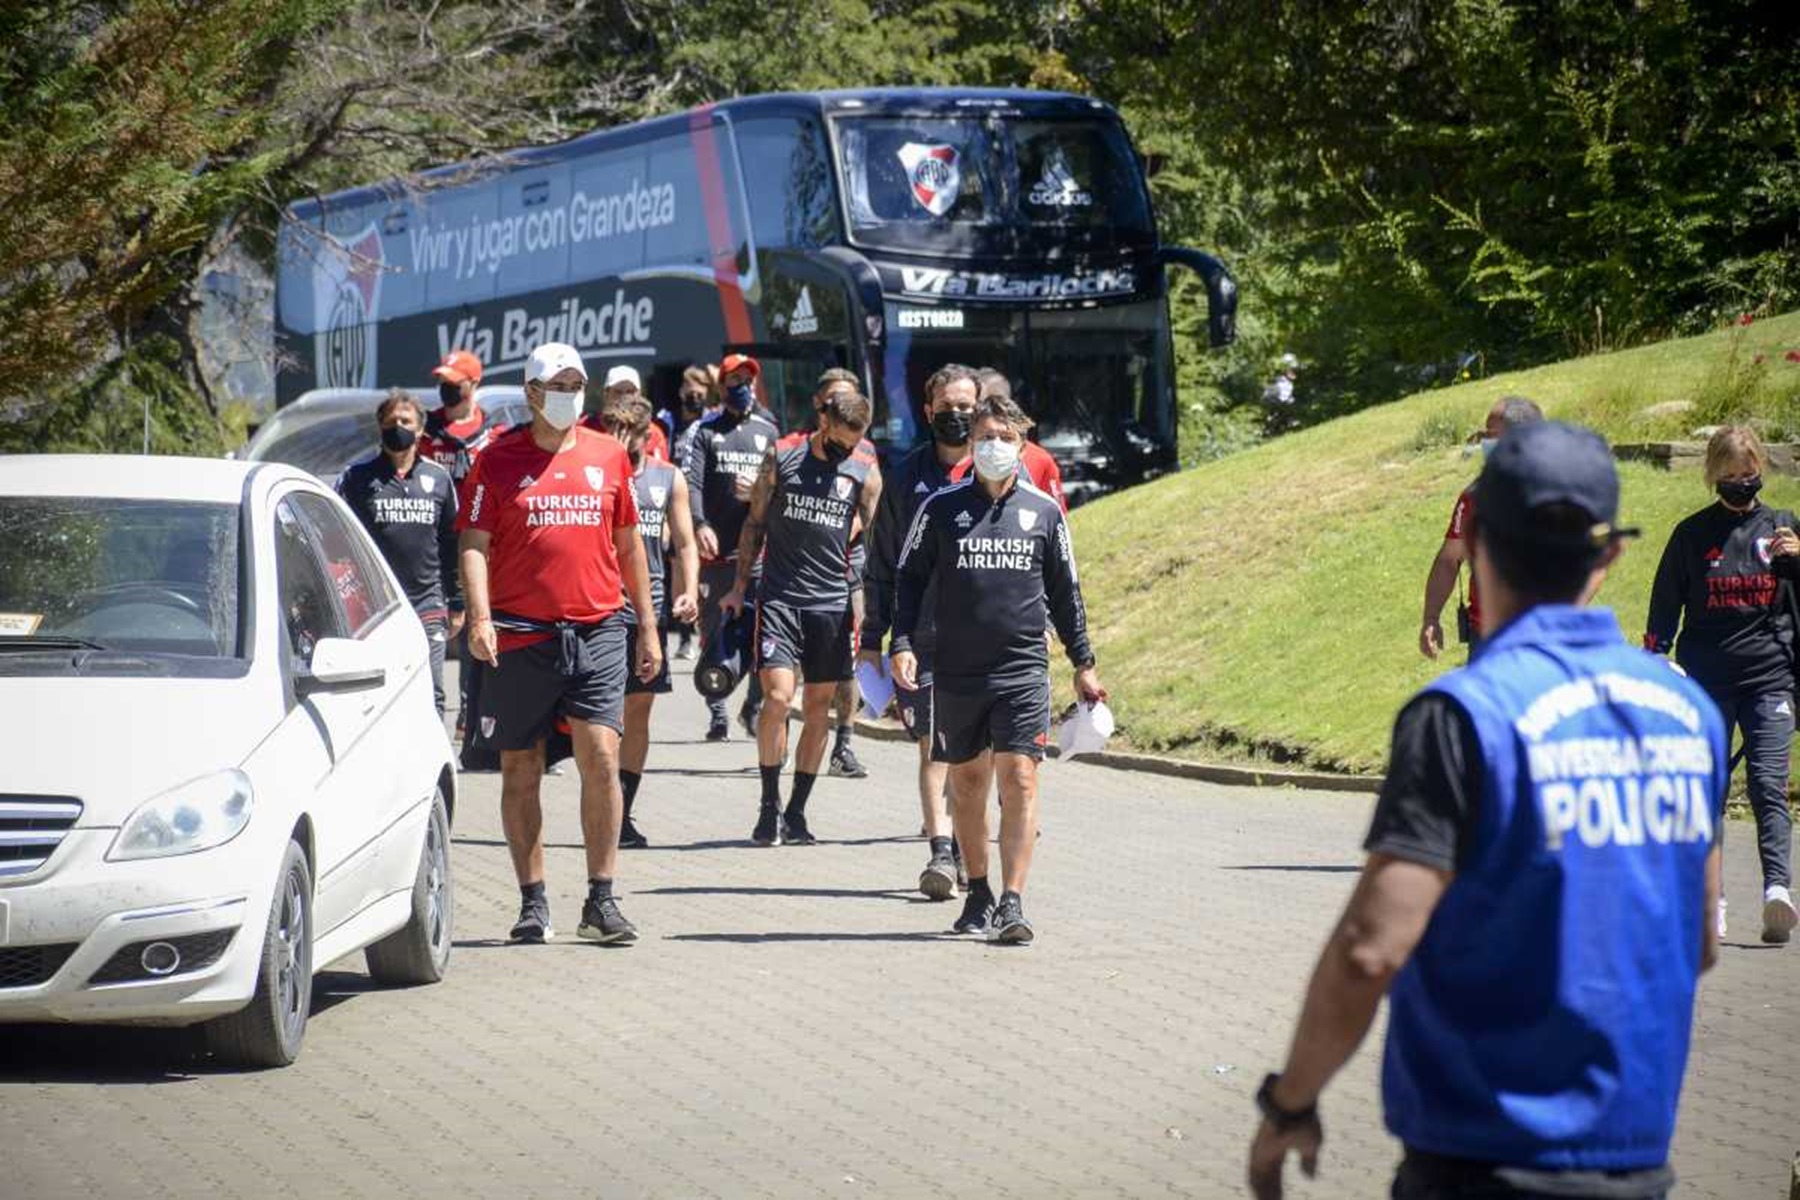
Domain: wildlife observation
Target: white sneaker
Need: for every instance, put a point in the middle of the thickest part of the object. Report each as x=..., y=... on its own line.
x=1721, y=918
x=1779, y=915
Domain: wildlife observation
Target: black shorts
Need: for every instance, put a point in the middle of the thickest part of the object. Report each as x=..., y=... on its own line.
x=635, y=686
x=1006, y=716
x=521, y=700
x=915, y=706
x=822, y=645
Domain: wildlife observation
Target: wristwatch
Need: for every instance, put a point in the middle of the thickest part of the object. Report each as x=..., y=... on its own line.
x=1282, y=1119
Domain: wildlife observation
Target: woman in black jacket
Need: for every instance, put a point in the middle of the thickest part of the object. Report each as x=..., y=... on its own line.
x=1726, y=581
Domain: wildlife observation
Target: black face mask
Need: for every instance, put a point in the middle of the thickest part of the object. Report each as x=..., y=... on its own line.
x=691, y=404
x=835, y=452
x=951, y=426
x=450, y=394
x=398, y=438
x=1739, y=495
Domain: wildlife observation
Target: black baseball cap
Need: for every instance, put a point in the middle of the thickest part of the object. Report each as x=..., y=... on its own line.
x=1544, y=463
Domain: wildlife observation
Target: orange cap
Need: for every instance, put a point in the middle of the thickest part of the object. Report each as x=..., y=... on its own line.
x=735, y=362
x=459, y=366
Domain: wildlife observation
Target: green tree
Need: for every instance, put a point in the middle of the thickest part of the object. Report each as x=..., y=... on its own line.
x=129, y=133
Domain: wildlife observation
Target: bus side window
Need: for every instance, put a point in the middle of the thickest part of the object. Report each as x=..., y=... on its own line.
x=788, y=178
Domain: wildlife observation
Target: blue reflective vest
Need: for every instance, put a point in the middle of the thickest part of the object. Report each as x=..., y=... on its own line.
x=1543, y=1020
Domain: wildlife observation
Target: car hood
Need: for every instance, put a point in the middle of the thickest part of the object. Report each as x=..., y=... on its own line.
x=114, y=743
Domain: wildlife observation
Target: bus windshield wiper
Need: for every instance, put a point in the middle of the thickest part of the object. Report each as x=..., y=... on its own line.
x=47, y=641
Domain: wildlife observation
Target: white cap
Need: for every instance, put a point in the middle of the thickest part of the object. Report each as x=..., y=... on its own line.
x=552, y=359
x=623, y=374
x=1290, y=362
x=1086, y=732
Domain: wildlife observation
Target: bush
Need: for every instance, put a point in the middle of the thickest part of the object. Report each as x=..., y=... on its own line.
x=1438, y=431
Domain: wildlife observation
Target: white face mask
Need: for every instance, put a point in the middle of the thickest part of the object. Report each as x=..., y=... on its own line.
x=996, y=460
x=563, y=409
x=1487, y=445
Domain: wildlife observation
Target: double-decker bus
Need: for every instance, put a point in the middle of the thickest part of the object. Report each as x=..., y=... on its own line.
x=887, y=231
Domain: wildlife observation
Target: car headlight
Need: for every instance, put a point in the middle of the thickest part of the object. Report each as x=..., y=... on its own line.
x=197, y=815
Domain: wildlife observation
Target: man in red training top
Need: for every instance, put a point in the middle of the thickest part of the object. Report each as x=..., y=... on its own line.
x=550, y=550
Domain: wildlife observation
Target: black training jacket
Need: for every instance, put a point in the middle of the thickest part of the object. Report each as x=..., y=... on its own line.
x=1719, y=585
x=413, y=521
x=996, y=565
x=906, y=483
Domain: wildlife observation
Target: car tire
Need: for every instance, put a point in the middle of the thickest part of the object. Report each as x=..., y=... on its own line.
x=268, y=1031
x=419, y=951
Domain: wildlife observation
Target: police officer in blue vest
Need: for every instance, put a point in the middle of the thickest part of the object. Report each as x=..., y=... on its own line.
x=1541, y=865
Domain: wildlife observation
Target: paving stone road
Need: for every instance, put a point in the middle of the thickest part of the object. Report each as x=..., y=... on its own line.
x=796, y=1023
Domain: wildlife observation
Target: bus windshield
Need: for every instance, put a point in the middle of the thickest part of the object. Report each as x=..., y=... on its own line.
x=977, y=185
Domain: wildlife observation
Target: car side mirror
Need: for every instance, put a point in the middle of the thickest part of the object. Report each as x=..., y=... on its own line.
x=340, y=665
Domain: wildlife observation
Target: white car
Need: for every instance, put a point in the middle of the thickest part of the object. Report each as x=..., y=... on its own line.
x=224, y=769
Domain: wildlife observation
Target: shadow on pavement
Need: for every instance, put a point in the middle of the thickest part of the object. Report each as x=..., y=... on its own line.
x=736, y=773
x=126, y=1054
x=754, y=938
x=332, y=988
x=721, y=844
x=746, y=844
x=501, y=844
x=100, y=1054
x=854, y=893
x=1324, y=868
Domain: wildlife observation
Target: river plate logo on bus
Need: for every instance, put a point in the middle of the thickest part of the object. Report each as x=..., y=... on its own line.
x=935, y=172
x=346, y=288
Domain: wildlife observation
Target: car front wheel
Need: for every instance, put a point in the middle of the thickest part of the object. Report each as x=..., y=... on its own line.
x=268, y=1031
x=419, y=951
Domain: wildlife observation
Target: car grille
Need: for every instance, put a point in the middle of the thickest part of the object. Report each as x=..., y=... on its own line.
x=28, y=966
x=31, y=828
x=198, y=951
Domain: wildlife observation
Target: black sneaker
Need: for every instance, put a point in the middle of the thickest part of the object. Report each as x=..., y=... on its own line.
x=1009, y=925
x=978, y=910
x=719, y=730
x=601, y=921
x=630, y=838
x=533, y=925
x=768, y=824
x=794, y=831
x=938, y=879
x=845, y=765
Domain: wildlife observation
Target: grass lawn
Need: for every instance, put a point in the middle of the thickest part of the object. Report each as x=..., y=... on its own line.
x=1267, y=604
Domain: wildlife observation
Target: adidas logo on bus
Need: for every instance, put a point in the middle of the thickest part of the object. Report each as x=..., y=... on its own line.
x=1057, y=188
x=803, y=319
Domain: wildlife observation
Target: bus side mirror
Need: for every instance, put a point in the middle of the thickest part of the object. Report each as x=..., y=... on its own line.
x=1221, y=291
x=1221, y=308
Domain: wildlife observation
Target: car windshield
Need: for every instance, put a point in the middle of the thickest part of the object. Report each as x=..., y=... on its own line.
x=144, y=576
x=991, y=184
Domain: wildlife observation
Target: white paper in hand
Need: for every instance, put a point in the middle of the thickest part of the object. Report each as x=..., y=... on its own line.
x=1086, y=731
x=877, y=687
